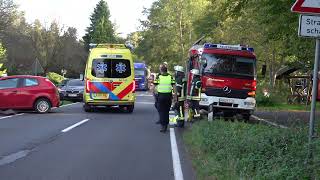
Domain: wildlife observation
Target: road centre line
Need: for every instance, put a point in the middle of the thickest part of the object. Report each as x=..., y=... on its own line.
x=5, y=117
x=144, y=95
x=75, y=125
x=175, y=156
x=145, y=102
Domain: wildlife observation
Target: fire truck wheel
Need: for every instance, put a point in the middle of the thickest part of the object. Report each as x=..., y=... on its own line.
x=180, y=124
x=246, y=117
x=228, y=118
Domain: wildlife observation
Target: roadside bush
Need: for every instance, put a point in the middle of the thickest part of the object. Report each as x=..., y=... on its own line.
x=224, y=150
x=266, y=100
x=55, y=78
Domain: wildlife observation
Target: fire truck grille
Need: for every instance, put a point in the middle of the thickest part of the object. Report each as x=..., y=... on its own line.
x=235, y=93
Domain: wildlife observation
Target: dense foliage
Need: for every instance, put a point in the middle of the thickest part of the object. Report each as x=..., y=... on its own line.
x=101, y=29
x=226, y=150
x=54, y=46
x=267, y=25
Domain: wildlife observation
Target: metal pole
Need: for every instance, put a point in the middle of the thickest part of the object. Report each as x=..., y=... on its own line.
x=314, y=98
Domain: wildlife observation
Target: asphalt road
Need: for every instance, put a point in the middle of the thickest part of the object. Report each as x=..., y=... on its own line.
x=286, y=118
x=107, y=144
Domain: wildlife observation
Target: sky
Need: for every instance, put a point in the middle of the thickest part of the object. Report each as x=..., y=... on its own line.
x=76, y=13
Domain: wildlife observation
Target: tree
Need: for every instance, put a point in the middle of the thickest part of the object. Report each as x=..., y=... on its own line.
x=3, y=53
x=169, y=31
x=8, y=11
x=101, y=30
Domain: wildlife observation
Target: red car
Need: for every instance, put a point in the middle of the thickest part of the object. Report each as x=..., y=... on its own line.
x=28, y=92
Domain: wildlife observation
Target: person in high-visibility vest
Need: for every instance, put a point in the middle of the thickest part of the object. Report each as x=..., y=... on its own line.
x=165, y=84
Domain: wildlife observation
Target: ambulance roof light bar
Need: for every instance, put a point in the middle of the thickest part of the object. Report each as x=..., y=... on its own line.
x=118, y=46
x=230, y=47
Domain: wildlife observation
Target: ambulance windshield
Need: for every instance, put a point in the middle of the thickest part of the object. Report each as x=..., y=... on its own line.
x=229, y=66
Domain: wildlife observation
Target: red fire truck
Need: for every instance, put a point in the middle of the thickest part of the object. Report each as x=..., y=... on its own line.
x=228, y=75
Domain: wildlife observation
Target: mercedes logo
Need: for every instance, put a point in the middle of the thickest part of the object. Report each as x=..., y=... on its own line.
x=226, y=90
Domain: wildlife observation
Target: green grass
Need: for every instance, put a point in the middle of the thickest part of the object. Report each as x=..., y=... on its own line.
x=226, y=150
x=66, y=102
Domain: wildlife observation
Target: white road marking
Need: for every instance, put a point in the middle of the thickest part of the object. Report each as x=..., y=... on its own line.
x=65, y=105
x=145, y=102
x=13, y=157
x=5, y=117
x=75, y=125
x=144, y=95
x=268, y=122
x=175, y=156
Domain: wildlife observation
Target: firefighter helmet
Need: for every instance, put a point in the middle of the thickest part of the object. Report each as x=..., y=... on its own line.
x=195, y=71
x=179, y=68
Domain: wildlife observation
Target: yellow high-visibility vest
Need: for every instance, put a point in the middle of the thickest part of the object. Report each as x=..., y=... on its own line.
x=164, y=84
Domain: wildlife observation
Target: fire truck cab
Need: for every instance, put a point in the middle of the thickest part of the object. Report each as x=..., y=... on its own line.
x=228, y=79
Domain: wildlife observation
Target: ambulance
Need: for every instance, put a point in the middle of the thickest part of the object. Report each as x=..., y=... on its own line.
x=109, y=78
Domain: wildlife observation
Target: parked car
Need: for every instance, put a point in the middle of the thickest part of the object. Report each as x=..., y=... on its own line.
x=28, y=92
x=72, y=91
x=63, y=83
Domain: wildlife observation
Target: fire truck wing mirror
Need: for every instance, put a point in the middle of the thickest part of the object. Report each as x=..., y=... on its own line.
x=203, y=62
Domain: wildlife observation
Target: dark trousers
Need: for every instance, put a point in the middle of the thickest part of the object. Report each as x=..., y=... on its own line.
x=164, y=104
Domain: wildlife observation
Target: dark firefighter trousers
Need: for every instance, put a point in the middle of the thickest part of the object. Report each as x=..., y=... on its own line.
x=164, y=105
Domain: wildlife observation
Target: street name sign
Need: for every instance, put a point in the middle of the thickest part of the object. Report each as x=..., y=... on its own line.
x=309, y=26
x=306, y=6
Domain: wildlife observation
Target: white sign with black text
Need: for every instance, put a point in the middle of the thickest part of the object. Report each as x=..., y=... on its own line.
x=309, y=26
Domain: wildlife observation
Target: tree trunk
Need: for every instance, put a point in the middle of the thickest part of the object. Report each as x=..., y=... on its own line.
x=272, y=69
x=181, y=31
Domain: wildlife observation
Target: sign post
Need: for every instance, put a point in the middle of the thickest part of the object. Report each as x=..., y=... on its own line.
x=314, y=97
x=309, y=26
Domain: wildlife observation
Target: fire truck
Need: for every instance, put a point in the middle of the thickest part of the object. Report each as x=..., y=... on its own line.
x=228, y=78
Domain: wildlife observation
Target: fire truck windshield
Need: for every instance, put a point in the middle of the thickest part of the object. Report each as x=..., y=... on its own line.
x=229, y=66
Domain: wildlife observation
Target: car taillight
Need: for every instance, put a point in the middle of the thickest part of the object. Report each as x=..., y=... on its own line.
x=87, y=86
x=134, y=86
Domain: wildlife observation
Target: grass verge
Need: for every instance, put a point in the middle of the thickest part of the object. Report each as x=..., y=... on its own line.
x=225, y=150
x=66, y=102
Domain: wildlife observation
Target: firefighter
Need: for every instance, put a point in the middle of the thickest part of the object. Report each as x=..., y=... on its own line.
x=165, y=84
x=195, y=93
x=181, y=94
